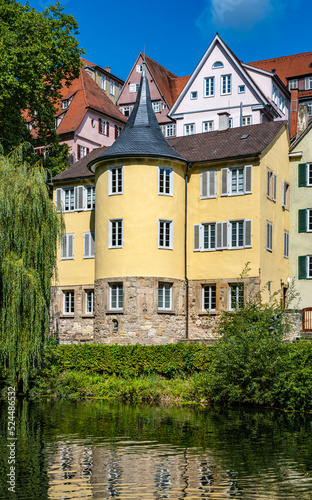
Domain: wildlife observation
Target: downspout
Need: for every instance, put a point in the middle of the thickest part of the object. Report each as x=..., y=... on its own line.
x=188, y=168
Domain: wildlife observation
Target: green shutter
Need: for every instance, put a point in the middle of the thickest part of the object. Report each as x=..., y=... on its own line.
x=302, y=267
x=302, y=220
x=302, y=174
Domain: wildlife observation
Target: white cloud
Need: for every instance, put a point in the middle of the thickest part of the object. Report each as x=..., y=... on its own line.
x=237, y=14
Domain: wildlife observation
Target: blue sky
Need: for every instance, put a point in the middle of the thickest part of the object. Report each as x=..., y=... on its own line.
x=176, y=33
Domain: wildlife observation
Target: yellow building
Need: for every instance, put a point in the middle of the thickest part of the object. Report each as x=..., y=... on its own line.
x=174, y=226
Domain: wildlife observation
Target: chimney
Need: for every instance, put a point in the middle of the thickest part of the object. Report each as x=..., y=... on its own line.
x=108, y=69
x=303, y=119
x=224, y=120
x=293, y=113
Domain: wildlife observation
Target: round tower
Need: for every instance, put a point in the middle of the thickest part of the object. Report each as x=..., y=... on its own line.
x=140, y=234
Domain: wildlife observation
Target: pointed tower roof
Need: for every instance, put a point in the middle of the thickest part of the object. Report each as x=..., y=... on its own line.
x=142, y=135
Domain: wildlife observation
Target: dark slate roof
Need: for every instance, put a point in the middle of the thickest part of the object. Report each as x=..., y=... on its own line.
x=226, y=144
x=79, y=169
x=142, y=135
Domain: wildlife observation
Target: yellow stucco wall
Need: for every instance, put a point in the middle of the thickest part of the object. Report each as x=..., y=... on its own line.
x=77, y=271
x=140, y=206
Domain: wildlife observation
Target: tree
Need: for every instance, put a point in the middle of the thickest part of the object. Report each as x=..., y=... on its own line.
x=39, y=54
x=30, y=228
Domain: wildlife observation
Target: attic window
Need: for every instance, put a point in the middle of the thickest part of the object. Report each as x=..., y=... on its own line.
x=273, y=70
x=65, y=104
x=244, y=137
x=310, y=65
x=218, y=64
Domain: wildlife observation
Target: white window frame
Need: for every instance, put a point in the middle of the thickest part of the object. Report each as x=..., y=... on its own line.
x=208, y=184
x=133, y=88
x=211, y=236
x=309, y=266
x=285, y=195
x=89, y=301
x=139, y=68
x=115, y=180
x=119, y=296
x=165, y=177
x=286, y=244
x=239, y=295
x=208, y=125
x=308, y=83
x=104, y=126
x=209, y=288
x=222, y=236
x=164, y=287
x=90, y=187
x=127, y=110
x=275, y=95
x=65, y=104
x=209, y=86
x=246, y=120
x=235, y=225
x=103, y=82
x=156, y=105
x=168, y=130
x=80, y=196
x=269, y=236
x=68, y=302
x=282, y=103
x=166, y=228
x=309, y=174
x=112, y=87
x=189, y=129
x=217, y=65
x=227, y=176
x=293, y=84
x=69, y=207
x=83, y=151
x=67, y=244
x=226, y=81
x=89, y=245
x=243, y=87
x=115, y=229
x=194, y=94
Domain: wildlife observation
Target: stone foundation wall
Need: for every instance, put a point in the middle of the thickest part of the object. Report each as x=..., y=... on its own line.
x=71, y=328
x=140, y=321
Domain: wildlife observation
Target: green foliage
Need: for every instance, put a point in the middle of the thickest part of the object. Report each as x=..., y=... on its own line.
x=39, y=53
x=29, y=230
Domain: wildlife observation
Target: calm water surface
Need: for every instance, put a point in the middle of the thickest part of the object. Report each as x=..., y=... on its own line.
x=93, y=450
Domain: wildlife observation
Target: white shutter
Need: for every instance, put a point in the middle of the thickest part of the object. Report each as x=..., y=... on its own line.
x=196, y=239
x=79, y=198
x=284, y=194
x=92, y=244
x=225, y=234
x=59, y=200
x=248, y=234
x=212, y=184
x=224, y=181
x=204, y=184
x=222, y=235
x=70, y=246
x=63, y=247
x=248, y=179
x=274, y=187
x=86, y=245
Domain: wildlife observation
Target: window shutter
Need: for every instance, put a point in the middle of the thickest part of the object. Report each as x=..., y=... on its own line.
x=286, y=244
x=224, y=182
x=248, y=179
x=88, y=151
x=248, y=234
x=302, y=174
x=212, y=183
x=100, y=125
x=116, y=131
x=196, y=245
x=284, y=195
x=86, y=245
x=78, y=152
x=59, y=200
x=225, y=234
x=70, y=253
x=79, y=198
x=302, y=267
x=204, y=184
x=302, y=220
x=63, y=247
x=274, y=187
x=222, y=235
x=92, y=236
x=107, y=129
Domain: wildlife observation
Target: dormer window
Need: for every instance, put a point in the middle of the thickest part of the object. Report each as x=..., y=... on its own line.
x=65, y=104
x=217, y=64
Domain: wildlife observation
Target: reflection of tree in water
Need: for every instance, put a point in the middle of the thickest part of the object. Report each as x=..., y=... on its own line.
x=114, y=476
x=162, y=479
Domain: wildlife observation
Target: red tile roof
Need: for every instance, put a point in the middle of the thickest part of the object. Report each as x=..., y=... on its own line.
x=79, y=168
x=287, y=66
x=177, y=85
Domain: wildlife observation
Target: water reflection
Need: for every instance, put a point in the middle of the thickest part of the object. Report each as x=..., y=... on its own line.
x=99, y=451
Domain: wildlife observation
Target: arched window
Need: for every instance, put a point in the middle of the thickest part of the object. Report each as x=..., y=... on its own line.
x=217, y=64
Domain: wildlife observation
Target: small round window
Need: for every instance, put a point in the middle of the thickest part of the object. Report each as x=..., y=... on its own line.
x=217, y=64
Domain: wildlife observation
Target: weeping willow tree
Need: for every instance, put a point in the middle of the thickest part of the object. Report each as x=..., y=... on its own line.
x=30, y=228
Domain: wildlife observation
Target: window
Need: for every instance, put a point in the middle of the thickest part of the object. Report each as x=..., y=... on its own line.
x=274, y=95
x=168, y=130
x=164, y=296
x=305, y=220
x=165, y=181
x=304, y=266
x=88, y=245
x=285, y=195
x=65, y=104
x=293, y=84
x=117, y=131
x=165, y=234
x=286, y=244
x=90, y=197
x=236, y=296
x=226, y=84
x=209, y=86
x=67, y=246
x=208, y=184
x=103, y=127
x=209, y=297
x=194, y=95
x=69, y=302
x=116, y=296
x=134, y=87
x=103, y=82
x=69, y=199
x=304, y=174
x=165, y=105
x=115, y=233
x=189, y=129
x=236, y=180
x=156, y=106
x=82, y=151
x=241, y=89
x=271, y=185
x=89, y=301
x=308, y=83
x=208, y=126
x=76, y=198
x=231, y=122
x=127, y=110
x=217, y=64
x=112, y=87
x=115, y=180
x=309, y=104
x=282, y=104
x=139, y=68
x=246, y=120
x=269, y=236
x=222, y=235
